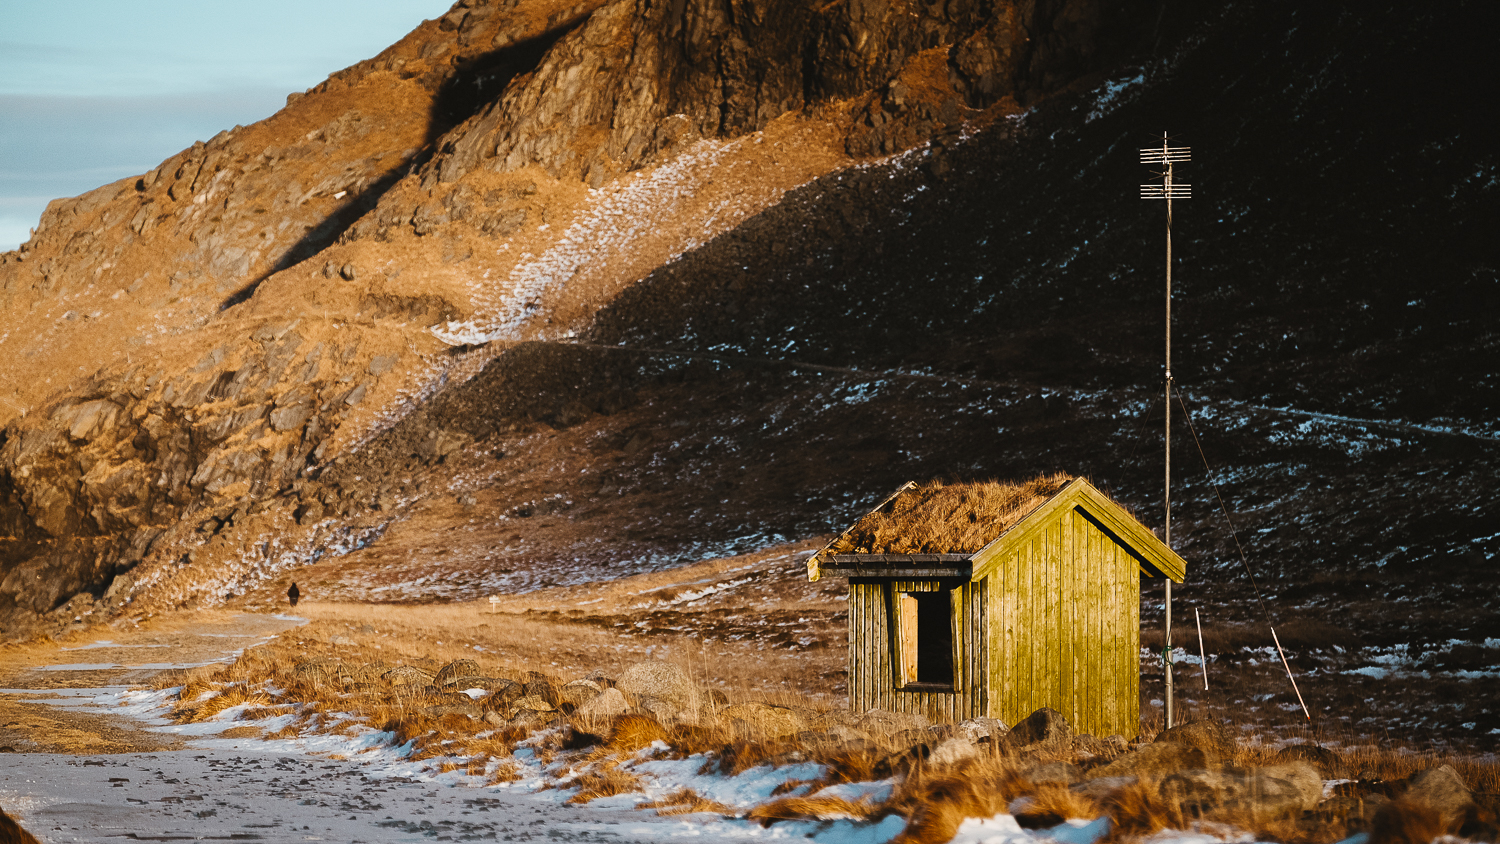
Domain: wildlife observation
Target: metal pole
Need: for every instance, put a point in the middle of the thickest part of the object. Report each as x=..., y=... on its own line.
x=1167, y=494
x=1167, y=190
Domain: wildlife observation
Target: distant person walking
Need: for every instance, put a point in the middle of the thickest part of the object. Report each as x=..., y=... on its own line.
x=293, y=594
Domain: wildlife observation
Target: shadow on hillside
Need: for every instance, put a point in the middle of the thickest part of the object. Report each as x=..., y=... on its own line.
x=473, y=85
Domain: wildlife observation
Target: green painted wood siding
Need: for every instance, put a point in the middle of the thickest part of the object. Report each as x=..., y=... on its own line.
x=1064, y=618
x=872, y=680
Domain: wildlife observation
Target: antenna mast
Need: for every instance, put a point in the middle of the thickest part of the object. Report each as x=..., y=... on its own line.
x=1167, y=190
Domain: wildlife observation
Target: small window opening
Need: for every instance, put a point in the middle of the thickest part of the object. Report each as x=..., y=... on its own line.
x=926, y=638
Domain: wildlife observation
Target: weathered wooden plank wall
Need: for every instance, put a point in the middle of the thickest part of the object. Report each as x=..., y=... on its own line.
x=872, y=670
x=1065, y=629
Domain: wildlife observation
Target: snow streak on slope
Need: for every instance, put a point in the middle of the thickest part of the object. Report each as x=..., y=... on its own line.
x=619, y=221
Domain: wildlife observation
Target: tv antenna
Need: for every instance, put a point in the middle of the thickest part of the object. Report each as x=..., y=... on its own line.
x=1168, y=190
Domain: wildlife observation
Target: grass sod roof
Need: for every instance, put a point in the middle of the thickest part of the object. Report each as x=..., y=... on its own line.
x=960, y=530
x=946, y=518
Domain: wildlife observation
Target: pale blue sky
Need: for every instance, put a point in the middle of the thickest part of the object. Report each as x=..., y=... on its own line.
x=93, y=91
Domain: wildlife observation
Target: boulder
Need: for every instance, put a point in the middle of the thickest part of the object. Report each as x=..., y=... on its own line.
x=1259, y=792
x=765, y=719
x=1099, y=789
x=579, y=692
x=457, y=669
x=1153, y=761
x=468, y=710
x=1328, y=763
x=664, y=711
x=405, y=675
x=1045, y=772
x=529, y=719
x=884, y=722
x=489, y=684
x=1046, y=727
x=1304, y=777
x=531, y=702
x=543, y=688
x=976, y=729
x=657, y=679
x=1442, y=790
x=1208, y=736
x=607, y=704
x=951, y=751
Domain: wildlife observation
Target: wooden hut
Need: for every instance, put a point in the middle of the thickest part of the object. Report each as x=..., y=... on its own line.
x=993, y=599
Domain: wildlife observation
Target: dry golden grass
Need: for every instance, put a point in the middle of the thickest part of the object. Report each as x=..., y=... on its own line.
x=685, y=801
x=633, y=732
x=937, y=802
x=241, y=732
x=1137, y=810
x=1405, y=822
x=335, y=666
x=12, y=832
x=607, y=780
x=195, y=707
x=939, y=518
x=1053, y=803
x=811, y=808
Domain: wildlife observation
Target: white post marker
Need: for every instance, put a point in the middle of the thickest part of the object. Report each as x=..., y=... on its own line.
x=494, y=599
x=1201, y=654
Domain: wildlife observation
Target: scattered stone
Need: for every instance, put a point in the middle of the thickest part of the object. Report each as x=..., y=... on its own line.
x=533, y=703
x=405, y=675
x=1327, y=762
x=977, y=729
x=456, y=669
x=1207, y=736
x=1442, y=790
x=1059, y=772
x=1100, y=788
x=488, y=684
x=664, y=711
x=607, y=704
x=1154, y=761
x=766, y=719
x=884, y=722
x=579, y=692
x=1260, y=792
x=468, y=710
x=657, y=679
x=1046, y=727
x=541, y=687
x=951, y=751
x=348, y=272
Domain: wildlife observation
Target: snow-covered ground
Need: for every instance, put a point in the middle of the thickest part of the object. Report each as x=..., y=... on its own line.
x=361, y=787
x=344, y=781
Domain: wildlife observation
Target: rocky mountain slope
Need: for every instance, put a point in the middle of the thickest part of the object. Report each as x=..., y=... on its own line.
x=545, y=294
x=188, y=353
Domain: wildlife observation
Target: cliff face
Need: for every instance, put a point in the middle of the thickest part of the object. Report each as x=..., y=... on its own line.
x=196, y=358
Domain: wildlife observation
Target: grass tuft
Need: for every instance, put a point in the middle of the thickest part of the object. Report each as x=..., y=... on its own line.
x=607, y=780
x=812, y=808
x=685, y=801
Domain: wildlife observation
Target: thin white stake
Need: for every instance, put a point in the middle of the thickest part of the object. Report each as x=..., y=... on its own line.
x=1289, y=676
x=1201, y=654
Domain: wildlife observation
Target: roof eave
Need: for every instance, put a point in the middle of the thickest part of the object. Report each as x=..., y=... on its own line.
x=900, y=566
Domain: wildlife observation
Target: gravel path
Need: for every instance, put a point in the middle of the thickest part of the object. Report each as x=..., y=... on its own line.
x=246, y=795
x=184, y=783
